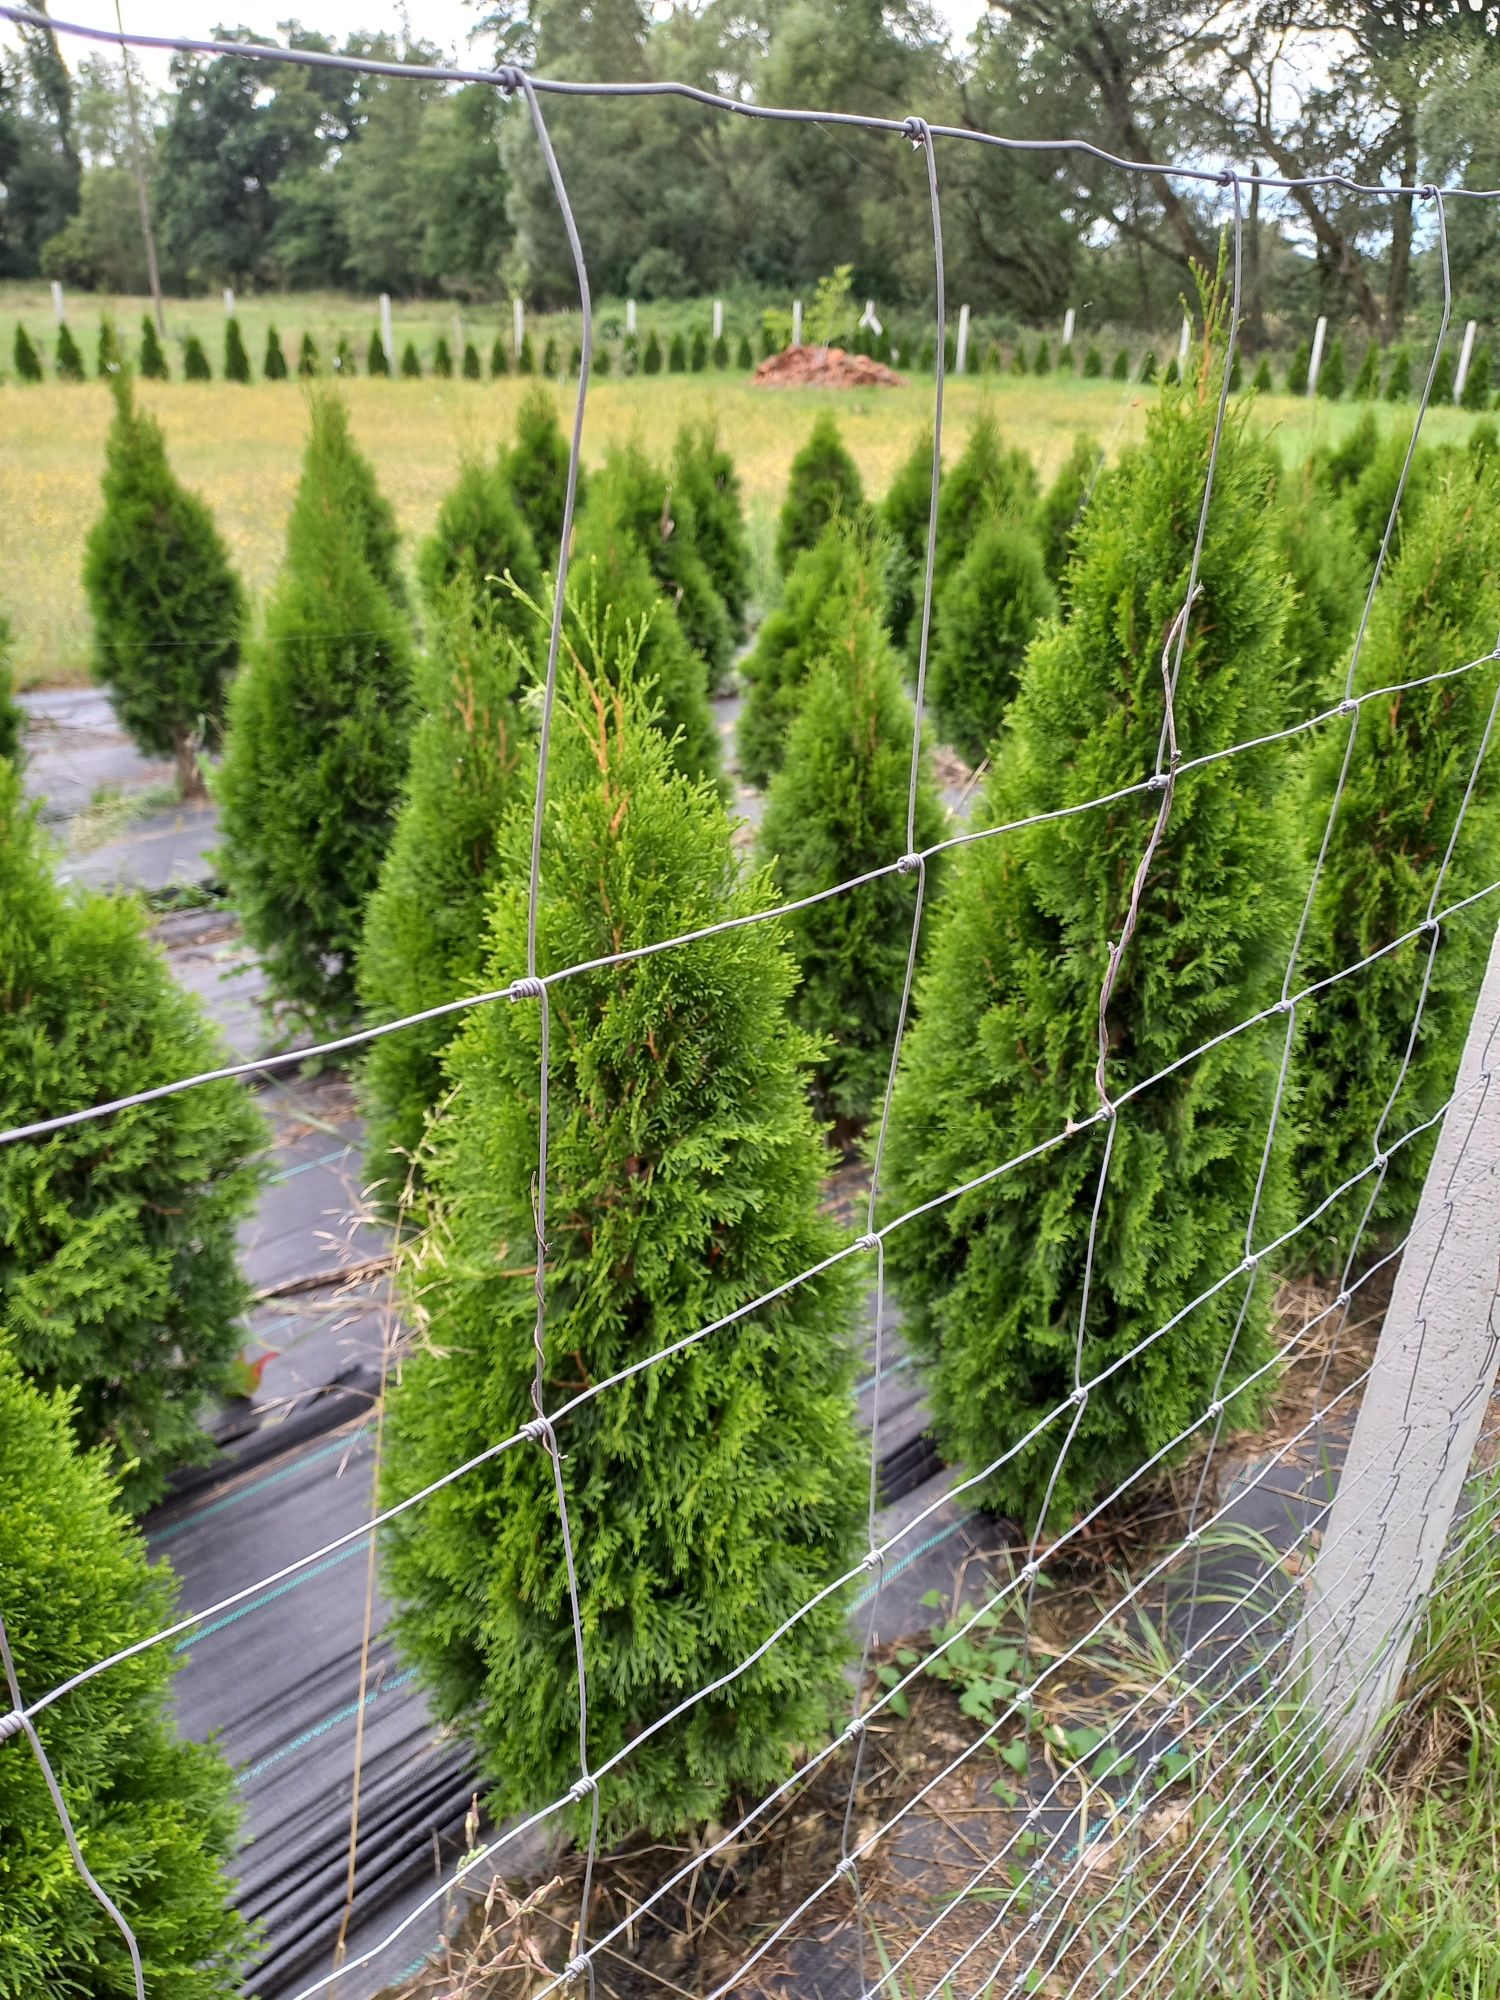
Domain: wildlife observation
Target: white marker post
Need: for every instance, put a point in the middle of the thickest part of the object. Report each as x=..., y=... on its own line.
x=1069, y=322
x=58, y=312
x=1320, y=333
x=518, y=324
x=1184, y=342
x=961, y=345
x=228, y=302
x=630, y=316
x=1466, y=355
x=387, y=331
x=796, y=322
x=868, y=318
x=718, y=319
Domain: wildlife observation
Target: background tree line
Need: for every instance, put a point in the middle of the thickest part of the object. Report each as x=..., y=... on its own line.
x=296, y=178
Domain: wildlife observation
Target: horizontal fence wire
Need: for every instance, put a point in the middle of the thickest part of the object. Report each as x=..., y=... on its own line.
x=1264, y=1727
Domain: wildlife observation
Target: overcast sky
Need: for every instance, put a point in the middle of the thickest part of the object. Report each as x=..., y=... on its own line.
x=444, y=21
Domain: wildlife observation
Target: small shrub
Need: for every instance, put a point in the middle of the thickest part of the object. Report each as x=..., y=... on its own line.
x=167, y=609
x=677, y=356
x=236, y=358
x=411, y=366
x=343, y=357
x=377, y=361
x=1367, y=381
x=478, y=539
x=721, y=353
x=1173, y=374
x=698, y=353
x=990, y=610
x=317, y=740
x=68, y=360
x=472, y=370
x=118, y=1278
x=575, y=359
x=658, y=513
x=987, y=478
x=1442, y=377
x=153, y=359
x=536, y=471
x=704, y=474
x=24, y=357
x=823, y=481
x=1333, y=374
x=1062, y=508
x=744, y=360
x=903, y=514
x=1065, y=360
x=107, y=358
x=499, y=359
x=1262, y=382
x=273, y=368
x=1042, y=360
x=154, y=1815
x=549, y=356
x=837, y=808
x=1093, y=362
x=442, y=359
x=1476, y=389
x=673, y=1204
x=1296, y=374
x=601, y=362
x=10, y=713
x=195, y=366
x=307, y=358
x=526, y=357
x=1148, y=366
x=651, y=355
x=1398, y=382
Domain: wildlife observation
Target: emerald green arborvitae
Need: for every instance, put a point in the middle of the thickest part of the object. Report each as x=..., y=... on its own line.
x=1475, y=394
x=117, y=1236
x=1001, y=1055
x=499, y=359
x=549, y=355
x=616, y=605
x=525, y=356
x=651, y=355
x=1093, y=362
x=710, y=1496
x=837, y=808
x=1120, y=370
x=1262, y=383
x=1062, y=505
x=377, y=361
x=69, y=359
x=1373, y=493
x=1341, y=466
x=480, y=538
x=658, y=511
x=1173, y=373
x=274, y=366
x=903, y=514
x=26, y=360
x=195, y=366
x=471, y=368
x=703, y=473
x=368, y=514
x=1367, y=381
x=987, y=479
x=107, y=358
x=744, y=359
x=536, y=470
x=168, y=610
x=1148, y=366
x=424, y=930
x=236, y=358
x=1398, y=382
x=1329, y=576
x=153, y=361
x=411, y=367
x=1442, y=378
x=698, y=353
x=814, y=606
x=442, y=358
x=1297, y=371
x=721, y=352
x=154, y=1815
x=989, y=611
x=823, y=481
x=1333, y=375
x=10, y=713
x=317, y=743
x=677, y=355
x=1437, y=606
x=343, y=357
x=307, y=358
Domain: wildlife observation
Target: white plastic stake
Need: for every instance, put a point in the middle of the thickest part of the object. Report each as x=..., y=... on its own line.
x=387, y=331
x=1185, y=340
x=1466, y=355
x=518, y=324
x=228, y=302
x=718, y=319
x=1068, y=325
x=1320, y=334
x=961, y=345
x=630, y=315
x=1420, y=1417
x=796, y=322
x=57, y=302
x=868, y=318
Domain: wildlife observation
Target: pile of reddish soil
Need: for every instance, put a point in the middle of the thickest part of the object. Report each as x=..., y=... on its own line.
x=824, y=368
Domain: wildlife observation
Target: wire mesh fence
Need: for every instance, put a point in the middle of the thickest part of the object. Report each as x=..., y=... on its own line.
x=1110, y=1855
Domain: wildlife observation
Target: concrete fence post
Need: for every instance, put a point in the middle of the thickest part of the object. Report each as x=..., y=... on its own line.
x=387, y=330
x=718, y=319
x=1466, y=355
x=59, y=311
x=1320, y=334
x=1184, y=341
x=796, y=322
x=961, y=344
x=630, y=316
x=228, y=302
x=517, y=324
x=1423, y=1408
x=1070, y=320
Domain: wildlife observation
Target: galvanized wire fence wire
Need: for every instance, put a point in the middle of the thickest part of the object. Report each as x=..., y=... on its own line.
x=1258, y=1743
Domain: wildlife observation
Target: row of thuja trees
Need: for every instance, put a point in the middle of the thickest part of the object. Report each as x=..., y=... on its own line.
x=376, y=805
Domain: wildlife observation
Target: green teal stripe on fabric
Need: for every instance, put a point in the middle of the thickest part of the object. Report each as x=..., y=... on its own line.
x=191, y=1639
x=257, y=1486
x=912, y=1555
x=340, y=1715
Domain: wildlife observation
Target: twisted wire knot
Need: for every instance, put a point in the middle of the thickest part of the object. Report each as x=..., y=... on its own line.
x=11, y=1725
x=576, y=1967
x=915, y=131
x=869, y=1242
x=527, y=989
x=584, y=1788
x=538, y=1430
x=908, y=864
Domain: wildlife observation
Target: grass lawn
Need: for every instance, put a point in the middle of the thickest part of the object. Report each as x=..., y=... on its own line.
x=239, y=446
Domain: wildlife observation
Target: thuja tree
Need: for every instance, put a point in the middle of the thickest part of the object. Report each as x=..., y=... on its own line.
x=317, y=744
x=10, y=713
x=1329, y=576
x=236, y=356
x=167, y=608
x=989, y=612
x=824, y=481
x=703, y=473
x=536, y=471
x=708, y=1497
x=618, y=612
x=480, y=539
x=307, y=357
x=1333, y=374
x=24, y=357
x=366, y=512
x=69, y=356
x=1002, y=1053
x=1061, y=507
x=153, y=1815
x=117, y=1237
x=640, y=499
x=1437, y=607
x=424, y=930
x=274, y=365
x=195, y=366
x=824, y=580
x=1398, y=382
x=837, y=808
x=1298, y=369
x=987, y=478
x=903, y=514
x=153, y=361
